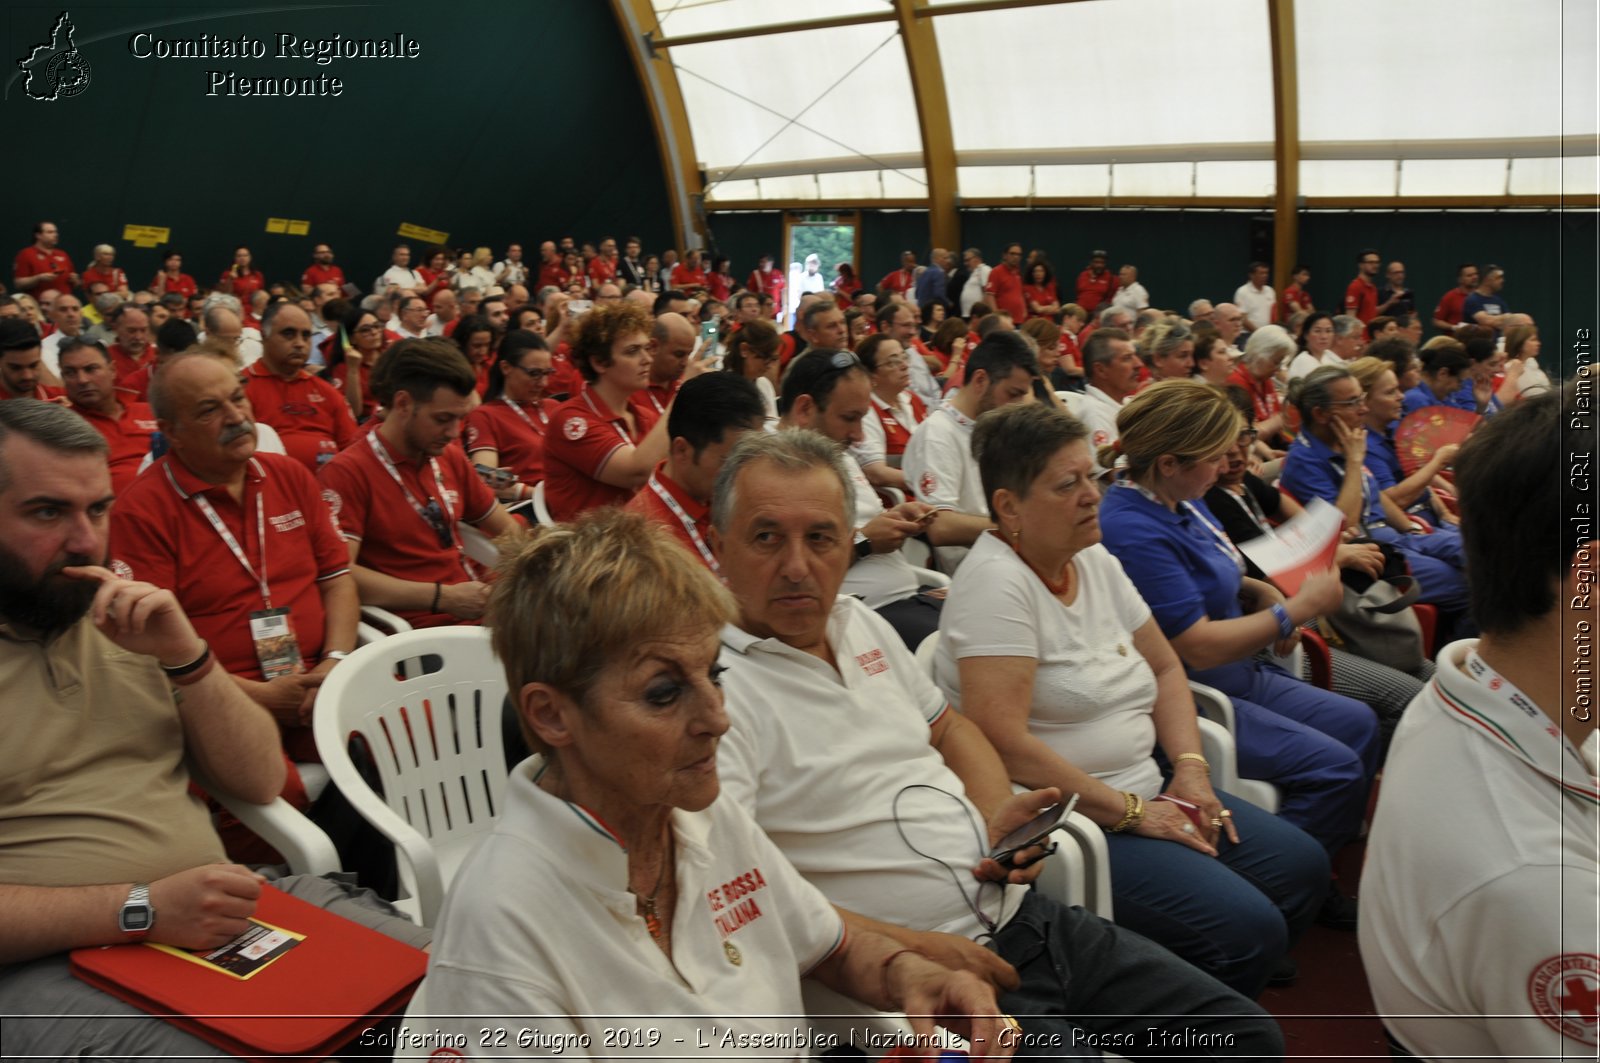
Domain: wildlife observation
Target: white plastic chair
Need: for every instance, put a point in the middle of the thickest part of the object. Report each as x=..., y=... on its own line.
x=1217, y=730
x=301, y=842
x=538, y=505
x=435, y=740
x=377, y=624
x=479, y=547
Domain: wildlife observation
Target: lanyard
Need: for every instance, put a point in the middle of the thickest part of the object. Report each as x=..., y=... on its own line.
x=651, y=395
x=543, y=420
x=443, y=500
x=684, y=518
x=1248, y=503
x=222, y=531
x=1224, y=543
x=589, y=398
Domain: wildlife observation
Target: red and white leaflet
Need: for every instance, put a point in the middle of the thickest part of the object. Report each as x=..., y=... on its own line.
x=1298, y=548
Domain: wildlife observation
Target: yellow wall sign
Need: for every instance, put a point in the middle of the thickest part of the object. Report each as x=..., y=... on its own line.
x=417, y=232
x=146, y=235
x=277, y=225
x=298, y=228
x=288, y=226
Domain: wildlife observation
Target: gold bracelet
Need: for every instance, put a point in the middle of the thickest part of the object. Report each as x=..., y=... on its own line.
x=1202, y=761
x=1133, y=813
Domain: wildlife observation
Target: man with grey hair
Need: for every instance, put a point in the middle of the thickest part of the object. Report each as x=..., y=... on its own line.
x=1130, y=294
x=67, y=316
x=856, y=767
x=1200, y=310
x=222, y=318
x=93, y=722
x=1111, y=375
x=1229, y=320
x=307, y=411
x=1256, y=298
x=1349, y=340
x=976, y=272
x=930, y=287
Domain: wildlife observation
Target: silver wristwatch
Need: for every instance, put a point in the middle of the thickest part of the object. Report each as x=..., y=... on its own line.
x=137, y=916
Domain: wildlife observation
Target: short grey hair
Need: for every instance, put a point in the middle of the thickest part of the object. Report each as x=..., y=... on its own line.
x=106, y=303
x=104, y=247
x=1194, y=307
x=794, y=450
x=48, y=424
x=1345, y=324
x=1267, y=343
x=1110, y=314
x=270, y=316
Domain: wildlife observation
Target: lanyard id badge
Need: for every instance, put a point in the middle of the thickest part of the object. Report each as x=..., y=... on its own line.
x=277, y=649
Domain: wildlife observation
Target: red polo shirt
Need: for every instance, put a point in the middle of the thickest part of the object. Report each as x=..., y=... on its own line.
x=1043, y=294
x=125, y=365
x=684, y=277
x=316, y=274
x=1361, y=299
x=371, y=509
x=650, y=503
x=30, y=262
x=112, y=278
x=1263, y=395
x=516, y=432
x=1005, y=292
x=42, y=392
x=309, y=413
x=1093, y=291
x=652, y=402
x=552, y=274
x=242, y=285
x=341, y=373
x=901, y=280
x=183, y=284
x=566, y=380
x=127, y=435
x=1293, y=300
x=584, y=435
x=769, y=283
x=136, y=385
x=601, y=270
x=1451, y=304
x=159, y=531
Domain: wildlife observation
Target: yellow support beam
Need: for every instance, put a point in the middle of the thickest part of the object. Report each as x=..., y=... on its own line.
x=679, y=163
x=933, y=115
x=1286, y=138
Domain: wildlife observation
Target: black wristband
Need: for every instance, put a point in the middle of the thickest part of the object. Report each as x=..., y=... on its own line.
x=193, y=666
x=437, y=588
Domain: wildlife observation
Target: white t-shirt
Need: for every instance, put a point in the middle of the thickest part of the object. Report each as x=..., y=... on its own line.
x=1305, y=362
x=539, y=932
x=1093, y=692
x=1478, y=927
x=400, y=277
x=1100, y=417
x=972, y=291
x=873, y=443
x=1131, y=297
x=821, y=755
x=1256, y=305
x=876, y=579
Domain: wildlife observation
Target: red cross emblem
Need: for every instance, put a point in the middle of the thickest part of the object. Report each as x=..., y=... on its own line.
x=1565, y=993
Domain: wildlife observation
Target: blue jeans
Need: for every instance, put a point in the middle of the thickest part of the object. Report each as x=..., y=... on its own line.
x=1089, y=986
x=1319, y=748
x=1233, y=915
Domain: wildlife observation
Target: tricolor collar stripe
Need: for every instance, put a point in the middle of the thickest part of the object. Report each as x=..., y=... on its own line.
x=1589, y=793
x=596, y=824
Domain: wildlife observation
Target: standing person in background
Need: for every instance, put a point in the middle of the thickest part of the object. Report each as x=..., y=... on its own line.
x=930, y=288
x=1485, y=306
x=1039, y=293
x=321, y=271
x=1096, y=285
x=1361, y=295
x=1447, y=315
x=1296, y=300
x=1004, y=287
x=901, y=280
x=1130, y=294
x=1256, y=298
x=242, y=280
x=103, y=271
x=764, y=280
x=172, y=279
x=44, y=266
x=1394, y=298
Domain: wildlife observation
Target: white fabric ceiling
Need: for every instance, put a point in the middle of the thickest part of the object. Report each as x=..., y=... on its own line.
x=1146, y=98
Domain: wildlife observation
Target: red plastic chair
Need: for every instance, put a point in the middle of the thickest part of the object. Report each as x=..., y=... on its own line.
x=1428, y=620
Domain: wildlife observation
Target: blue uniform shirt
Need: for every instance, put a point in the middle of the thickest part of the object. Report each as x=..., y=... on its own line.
x=1313, y=470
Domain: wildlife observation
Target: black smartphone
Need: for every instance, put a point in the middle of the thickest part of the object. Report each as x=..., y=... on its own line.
x=1031, y=833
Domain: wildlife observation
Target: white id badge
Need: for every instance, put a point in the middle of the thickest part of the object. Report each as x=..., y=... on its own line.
x=276, y=647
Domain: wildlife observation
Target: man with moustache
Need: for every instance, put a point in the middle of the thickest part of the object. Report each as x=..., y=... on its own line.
x=110, y=694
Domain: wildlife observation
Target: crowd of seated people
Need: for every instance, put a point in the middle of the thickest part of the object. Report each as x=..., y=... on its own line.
x=280, y=455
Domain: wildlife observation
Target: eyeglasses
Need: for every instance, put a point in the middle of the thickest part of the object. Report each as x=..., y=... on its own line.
x=1348, y=403
x=533, y=374
x=434, y=515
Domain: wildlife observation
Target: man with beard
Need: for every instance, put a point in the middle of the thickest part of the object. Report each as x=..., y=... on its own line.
x=100, y=840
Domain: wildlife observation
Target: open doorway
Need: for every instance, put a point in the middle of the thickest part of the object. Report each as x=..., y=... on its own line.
x=814, y=245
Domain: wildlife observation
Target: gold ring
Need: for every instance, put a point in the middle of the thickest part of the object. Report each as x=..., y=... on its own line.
x=1226, y=814
x=1216, y=823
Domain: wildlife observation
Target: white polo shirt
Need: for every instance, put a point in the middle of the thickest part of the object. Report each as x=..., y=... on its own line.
x=876, y=579
x=1256, y=304
x=822, y=754
x=1100, y=417
x=539, y=932
x=939, y=465
x=1479, y=893
x=1305, y=363
x=1131, y=297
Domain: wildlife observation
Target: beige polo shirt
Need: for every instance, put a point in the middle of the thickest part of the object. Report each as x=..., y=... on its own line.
x=93, y=787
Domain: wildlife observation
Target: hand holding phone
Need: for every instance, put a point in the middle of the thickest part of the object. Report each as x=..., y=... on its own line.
x=1031, y=833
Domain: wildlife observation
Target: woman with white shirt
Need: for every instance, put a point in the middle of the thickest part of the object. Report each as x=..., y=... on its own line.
x=753, y=354
x=1316, y=346
x=1047, y=646
x=896, y=411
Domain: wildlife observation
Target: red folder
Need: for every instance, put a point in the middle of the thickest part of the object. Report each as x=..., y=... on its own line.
x=317, y=997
